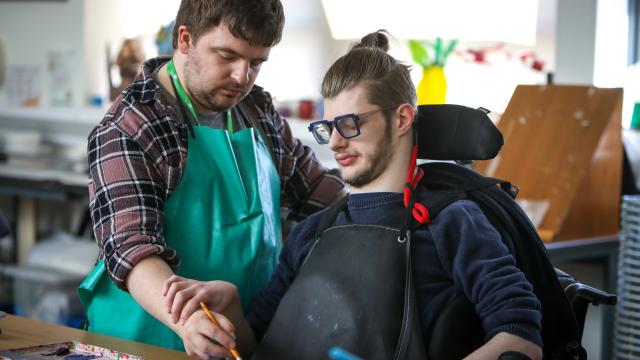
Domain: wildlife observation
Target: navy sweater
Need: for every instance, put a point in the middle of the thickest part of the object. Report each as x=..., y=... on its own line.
x=458, y=252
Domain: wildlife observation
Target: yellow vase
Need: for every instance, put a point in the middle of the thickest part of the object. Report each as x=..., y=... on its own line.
x=432, y=88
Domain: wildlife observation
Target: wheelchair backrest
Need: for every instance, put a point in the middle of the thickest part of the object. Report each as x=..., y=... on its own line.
x=453, y=132
x=456, y=132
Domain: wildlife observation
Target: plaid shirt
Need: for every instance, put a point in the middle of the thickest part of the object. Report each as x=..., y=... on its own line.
x=136, y=158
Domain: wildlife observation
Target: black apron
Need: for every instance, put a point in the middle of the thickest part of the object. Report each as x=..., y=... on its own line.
x=367, y=306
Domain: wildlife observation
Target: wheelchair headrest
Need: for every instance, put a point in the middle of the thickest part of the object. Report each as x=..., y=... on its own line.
x=455, y=132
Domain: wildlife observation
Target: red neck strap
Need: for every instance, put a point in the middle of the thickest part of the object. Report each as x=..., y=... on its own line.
x=420, y=212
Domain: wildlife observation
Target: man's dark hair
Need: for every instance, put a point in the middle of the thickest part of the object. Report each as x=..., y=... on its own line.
x=260, y=22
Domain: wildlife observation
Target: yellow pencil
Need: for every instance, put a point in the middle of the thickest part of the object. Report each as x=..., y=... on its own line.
x=233, y=351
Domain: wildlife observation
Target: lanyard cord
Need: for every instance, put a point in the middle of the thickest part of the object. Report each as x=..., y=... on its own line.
x=180, y=91
x=184, y=98
x=229, y=122
x=184, y=114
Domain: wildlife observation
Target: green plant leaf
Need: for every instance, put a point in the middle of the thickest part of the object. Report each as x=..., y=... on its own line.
x=419, y=53
x=449, y=49
x=438, y=49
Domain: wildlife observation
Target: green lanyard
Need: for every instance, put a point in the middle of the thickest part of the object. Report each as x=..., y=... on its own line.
x=184, y=98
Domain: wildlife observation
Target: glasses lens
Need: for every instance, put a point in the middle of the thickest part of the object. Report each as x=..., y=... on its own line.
x=322, y=133
x=348, y=127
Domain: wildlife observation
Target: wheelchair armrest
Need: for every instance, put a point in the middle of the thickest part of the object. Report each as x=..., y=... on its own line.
x=590, y=294
x=577, y=291
x=580, y=296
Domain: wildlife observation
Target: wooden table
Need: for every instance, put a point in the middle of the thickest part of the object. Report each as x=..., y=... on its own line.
x=22, y=332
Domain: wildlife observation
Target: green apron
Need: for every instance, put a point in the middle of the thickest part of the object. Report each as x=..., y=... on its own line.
x=223, y=219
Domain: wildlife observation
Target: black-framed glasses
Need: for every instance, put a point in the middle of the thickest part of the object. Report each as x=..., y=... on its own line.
x=348, y=125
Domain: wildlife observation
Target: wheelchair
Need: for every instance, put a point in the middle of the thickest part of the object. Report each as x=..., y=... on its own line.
x=460, y=134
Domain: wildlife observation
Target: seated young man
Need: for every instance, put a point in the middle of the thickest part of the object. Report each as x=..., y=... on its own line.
x=338, y=287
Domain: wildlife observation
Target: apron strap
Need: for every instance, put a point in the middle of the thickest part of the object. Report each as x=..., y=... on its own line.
x=251, y=120
x=347, y=215
x=409, y=304
x=330, y=216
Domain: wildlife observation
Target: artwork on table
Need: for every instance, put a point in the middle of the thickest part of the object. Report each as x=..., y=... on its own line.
x=69, y=350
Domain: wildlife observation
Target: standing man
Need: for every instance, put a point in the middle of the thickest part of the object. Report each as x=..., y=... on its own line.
x=188, y=170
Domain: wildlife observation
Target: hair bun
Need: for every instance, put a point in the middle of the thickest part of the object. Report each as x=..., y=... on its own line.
x=376, y=39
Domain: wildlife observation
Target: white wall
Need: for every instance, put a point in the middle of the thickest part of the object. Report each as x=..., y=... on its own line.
x=296, y=65
x=31, y=30
x=611, y=43
x=575, y=41
x=546, y=32
x=592, y=46
x=102, y=26
x=22, y=25
x=469, y=84
x=566, y=41
x=612, y=28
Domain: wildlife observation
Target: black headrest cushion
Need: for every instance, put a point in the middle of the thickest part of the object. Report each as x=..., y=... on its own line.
x=456, y=132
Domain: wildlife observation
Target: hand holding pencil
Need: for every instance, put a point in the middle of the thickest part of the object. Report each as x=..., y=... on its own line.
x=183, y=298
x=233, y=351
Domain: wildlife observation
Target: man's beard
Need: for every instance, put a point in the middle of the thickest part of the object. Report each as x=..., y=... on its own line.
x=378, y=164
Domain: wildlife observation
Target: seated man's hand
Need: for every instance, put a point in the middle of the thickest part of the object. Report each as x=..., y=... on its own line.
x=198, y=331
x=183, y=296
